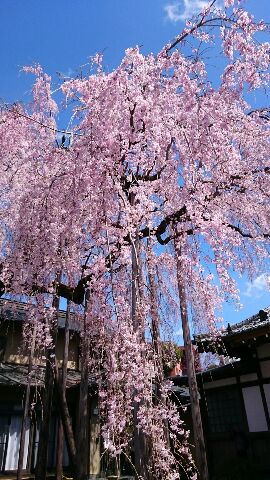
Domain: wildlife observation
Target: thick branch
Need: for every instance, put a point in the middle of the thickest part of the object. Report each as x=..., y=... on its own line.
x=158, y=231
x=246, y=234
x=186, y=33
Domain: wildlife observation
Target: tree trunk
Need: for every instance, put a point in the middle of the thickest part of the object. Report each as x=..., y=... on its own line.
x=83, y=424
x=154, y=315
x=200, y=450
x=64, y=413
x=59, y=451
x=42, y=456
x=154, y=308
x=26, y=407
x=67, y=424
x=47, y=397
x=139, y=437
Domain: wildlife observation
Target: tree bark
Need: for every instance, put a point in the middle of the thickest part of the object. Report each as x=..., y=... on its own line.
x=47, y=397
x=67, y=425
x=200, y=450
x=154, y=313
x=139, y=437
x=26, y=407
x=62, y=383
x=42, y=456
x=83, y=424
x=154, y=308
x=59, y=450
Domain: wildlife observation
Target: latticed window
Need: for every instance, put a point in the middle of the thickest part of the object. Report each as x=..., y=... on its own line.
x=224, y=410
x=4, y=428
x=3, y=342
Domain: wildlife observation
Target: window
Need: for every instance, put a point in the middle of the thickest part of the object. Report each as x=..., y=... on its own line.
x=266, y=388
x=3, y=342
x=10, y=433
x=224, y=410
x=254, y=409
x=4, y=427
x=13, y=446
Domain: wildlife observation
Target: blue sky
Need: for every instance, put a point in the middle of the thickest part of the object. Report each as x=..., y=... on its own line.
x=62, y=34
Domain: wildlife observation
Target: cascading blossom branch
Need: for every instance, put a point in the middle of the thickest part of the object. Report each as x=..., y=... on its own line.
x=128, y=368
x=157, y=153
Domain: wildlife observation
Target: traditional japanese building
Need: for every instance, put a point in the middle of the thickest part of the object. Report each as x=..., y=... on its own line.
x=235, y=399
x=14, y=377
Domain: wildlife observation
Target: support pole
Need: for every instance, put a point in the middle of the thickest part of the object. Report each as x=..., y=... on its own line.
x=62, y=383
x=139, y=437
x=25, y=419
x=83, y=424
x=47, y=398
x=200, y=450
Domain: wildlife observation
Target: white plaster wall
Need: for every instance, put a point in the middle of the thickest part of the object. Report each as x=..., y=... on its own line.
x=254, y=409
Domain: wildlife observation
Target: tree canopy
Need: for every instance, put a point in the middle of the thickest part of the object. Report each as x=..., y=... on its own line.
x=155, y=155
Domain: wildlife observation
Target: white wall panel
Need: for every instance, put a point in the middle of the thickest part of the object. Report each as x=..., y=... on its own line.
x=266, y=388
x=14, y=444
x=254, y=409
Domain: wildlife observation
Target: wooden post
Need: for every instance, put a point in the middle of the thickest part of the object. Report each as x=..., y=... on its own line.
x=25, y=419
x=139, y=438
x=83, y=424
x=67, y=425
x=42, y=456
x=154, y=308
x=154, y=313
x=200, y=450
x=47, y=397
x=59, y=450
x=62, y=385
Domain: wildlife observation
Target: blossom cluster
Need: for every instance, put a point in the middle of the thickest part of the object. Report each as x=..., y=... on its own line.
x=156, y=154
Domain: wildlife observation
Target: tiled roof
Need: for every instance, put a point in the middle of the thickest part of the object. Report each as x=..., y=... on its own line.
x=17, y=311
x=261, y=319
x=250, y=325
x=17, y=375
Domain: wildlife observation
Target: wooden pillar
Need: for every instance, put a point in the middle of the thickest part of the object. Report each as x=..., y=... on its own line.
x=25, y=419
x=94, y=447
x=42, y=456
x=261, y=383
x=200, y=450
x=65, y=417
x=83, y=423
x=62, y=383
x=138, y=437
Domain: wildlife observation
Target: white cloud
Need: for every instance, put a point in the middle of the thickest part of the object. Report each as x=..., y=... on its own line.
x=184, y=9
x=258, y=287
x=179, y=332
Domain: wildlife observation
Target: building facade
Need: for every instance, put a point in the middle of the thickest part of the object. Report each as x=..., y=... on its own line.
x=235, y=400
x=14, y=378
